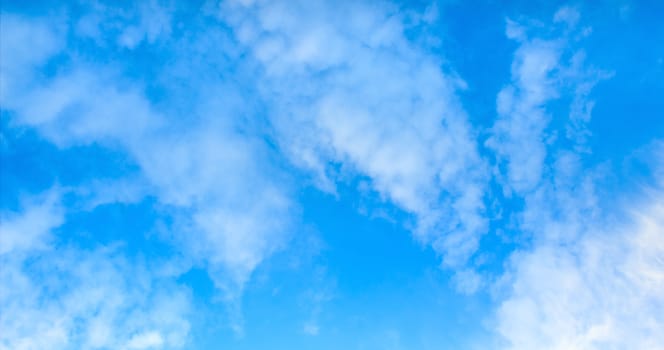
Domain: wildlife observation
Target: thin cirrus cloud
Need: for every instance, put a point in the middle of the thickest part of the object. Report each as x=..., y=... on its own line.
x=227, y=116
x=602, y=291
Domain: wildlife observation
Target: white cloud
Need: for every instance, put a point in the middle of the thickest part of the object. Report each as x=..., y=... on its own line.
x=587, y=280
x=18, y=59
x=347, y=96
x=518, y=134
x=542, y=71
x=29, y=230
x=467, y=281
x=568, y=15
x=145, y=340
x=126, y=26
x=210, y=172
x=74, y=109
x=603, y=291
x=62, y=297
x=383, y=109
x=321, y=291
x=345, y=86
x=539, y=161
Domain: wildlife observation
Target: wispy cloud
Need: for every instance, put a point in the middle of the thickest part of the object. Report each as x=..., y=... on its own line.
x=352, y=91
x=546, y=67
x=231, y=208
x=227, y=111
x=61, y=297
x=601, y=291
x=575, y=286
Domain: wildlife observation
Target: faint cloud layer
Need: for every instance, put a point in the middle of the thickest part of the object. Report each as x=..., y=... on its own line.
x=206, y=168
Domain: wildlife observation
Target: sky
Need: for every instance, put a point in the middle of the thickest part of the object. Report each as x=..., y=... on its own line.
x=249, y=174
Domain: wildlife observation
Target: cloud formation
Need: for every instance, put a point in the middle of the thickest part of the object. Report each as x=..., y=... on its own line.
x=602, y=291
x=588, y=280
x=350, y=94
x=226, y=112
x=63, y=297
x=236, y=212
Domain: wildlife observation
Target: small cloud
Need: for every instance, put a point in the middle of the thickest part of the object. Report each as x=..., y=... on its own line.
x=310, y=329
x=467, y=281
x=514, y=30
x=146, y=340
x=568, y=15
x=30, y=229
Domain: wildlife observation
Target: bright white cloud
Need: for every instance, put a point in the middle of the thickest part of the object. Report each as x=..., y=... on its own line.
x=542, y=70
x=587, y=281
x=603, y=291
x=518, y=135
x=383, y=109
x=346, y=87
x=346, y=94
x=145, y=340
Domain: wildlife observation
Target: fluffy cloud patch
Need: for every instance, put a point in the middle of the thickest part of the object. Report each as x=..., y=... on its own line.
x=544, y=69
x=213, y=174
x=587, y=280
x=348, y=90
x=223, y=115
x=604, y=291
x=63, y=297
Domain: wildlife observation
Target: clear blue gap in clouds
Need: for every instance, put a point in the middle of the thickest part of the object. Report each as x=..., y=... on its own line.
x=246, y=214
x=636, y=88
x=37, y=165
x=375, y=280
x=473, y=39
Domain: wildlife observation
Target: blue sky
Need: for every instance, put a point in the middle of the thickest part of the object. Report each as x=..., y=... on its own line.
x=251, y=174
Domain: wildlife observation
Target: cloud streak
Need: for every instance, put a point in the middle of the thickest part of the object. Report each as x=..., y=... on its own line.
x=589, y=280
x=352, y=93
x=214, y=176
